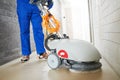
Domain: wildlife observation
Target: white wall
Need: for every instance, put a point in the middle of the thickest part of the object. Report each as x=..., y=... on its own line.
x=106, y=24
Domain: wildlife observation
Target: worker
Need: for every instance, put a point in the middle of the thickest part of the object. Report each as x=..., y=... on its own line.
x=29, y=12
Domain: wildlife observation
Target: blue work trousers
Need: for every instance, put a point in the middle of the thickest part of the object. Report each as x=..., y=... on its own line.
x=26, y=13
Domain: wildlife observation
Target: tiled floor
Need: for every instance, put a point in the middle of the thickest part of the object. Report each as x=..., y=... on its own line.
x=39, y=70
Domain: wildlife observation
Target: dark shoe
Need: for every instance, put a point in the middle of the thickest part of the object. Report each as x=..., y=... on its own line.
x=24, y=59
x=43, y=56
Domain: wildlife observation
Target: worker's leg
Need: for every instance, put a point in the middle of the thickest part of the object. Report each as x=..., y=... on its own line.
x=38, y=32
x=24, y=22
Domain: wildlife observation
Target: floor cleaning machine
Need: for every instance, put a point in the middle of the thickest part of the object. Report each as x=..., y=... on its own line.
x=74, y=54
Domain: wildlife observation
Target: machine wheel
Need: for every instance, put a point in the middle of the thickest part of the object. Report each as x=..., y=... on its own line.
x=50, y=37
x=53, y=61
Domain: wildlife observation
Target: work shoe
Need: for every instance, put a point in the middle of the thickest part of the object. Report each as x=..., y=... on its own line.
x=24, y=59
x=43, y=56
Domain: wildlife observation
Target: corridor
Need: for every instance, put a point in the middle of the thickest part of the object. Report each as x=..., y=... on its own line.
x=94, y=21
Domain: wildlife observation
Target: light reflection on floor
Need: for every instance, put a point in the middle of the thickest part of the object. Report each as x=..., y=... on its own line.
x=39, y=70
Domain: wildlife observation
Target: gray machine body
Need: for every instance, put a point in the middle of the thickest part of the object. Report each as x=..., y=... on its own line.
x=78, y=50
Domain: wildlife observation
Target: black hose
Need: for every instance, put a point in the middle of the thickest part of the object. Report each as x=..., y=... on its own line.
x=50, y=37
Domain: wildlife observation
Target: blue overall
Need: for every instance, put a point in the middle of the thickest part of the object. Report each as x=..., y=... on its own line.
x=26, y=13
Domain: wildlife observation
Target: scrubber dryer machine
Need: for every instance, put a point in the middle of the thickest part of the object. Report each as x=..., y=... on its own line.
x=73, y=54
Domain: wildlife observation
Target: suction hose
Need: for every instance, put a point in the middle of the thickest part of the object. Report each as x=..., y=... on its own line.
x=50, y=38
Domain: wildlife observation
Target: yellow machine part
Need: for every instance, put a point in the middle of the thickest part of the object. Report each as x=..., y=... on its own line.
x=48, y=22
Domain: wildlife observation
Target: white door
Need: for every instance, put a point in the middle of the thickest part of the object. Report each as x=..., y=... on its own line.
x=75, y=19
